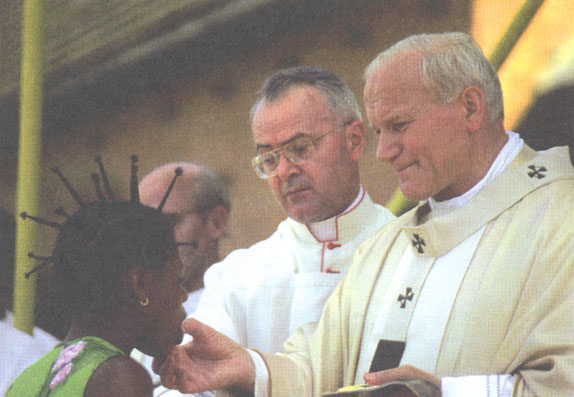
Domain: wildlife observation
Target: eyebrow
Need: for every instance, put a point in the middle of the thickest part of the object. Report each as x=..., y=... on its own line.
x=292, y=139
x=390, y=119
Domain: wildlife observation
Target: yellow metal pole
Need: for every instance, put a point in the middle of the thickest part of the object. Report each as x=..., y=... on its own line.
x=517, y=27
x=398, y=203
x=29, y=160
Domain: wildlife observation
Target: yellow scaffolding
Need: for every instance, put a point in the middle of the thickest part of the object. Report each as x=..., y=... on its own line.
x=29, y=160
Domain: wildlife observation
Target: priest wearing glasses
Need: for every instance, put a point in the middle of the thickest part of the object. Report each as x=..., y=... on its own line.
x=309, y=136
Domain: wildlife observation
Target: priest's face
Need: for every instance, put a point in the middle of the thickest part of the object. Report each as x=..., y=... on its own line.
x=424, y=141
x=325, y=184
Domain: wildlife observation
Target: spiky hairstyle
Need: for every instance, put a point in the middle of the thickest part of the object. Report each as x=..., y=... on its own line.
x=99, y=242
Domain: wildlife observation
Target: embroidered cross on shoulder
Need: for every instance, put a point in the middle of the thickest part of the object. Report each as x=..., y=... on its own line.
x=537, y=172
x=418, y=243
x=407, y=297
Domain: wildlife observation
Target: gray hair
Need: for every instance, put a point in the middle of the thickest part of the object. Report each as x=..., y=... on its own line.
x=338, y=94
x=450, y=63
x=209, y=191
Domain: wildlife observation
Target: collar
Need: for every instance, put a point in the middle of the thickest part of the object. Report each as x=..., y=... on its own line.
x=326, y=230
x=528, y=171
x=341, y=228
x=510, y=149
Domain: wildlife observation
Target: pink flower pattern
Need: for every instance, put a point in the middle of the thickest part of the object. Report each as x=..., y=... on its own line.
x=61, y=375
x=67, y=354
x=63, y=364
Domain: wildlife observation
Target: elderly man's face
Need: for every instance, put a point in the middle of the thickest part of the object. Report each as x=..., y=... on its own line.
x=326, y=184
x=424, y=141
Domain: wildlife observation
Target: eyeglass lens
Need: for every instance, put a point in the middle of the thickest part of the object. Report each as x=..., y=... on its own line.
x=296, y=152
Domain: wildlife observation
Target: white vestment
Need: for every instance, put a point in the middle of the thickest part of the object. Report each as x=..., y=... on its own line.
x=512, y=310
x=261, y=295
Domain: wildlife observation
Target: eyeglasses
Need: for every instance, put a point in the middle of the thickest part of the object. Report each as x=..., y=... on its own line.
x=301, y=150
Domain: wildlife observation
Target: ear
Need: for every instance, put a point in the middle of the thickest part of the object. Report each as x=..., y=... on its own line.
x=472, y=99
x=217, y=222
x=138, y=281
x=355, y=139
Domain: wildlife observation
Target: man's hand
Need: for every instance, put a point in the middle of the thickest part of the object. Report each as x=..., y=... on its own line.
x=210, y=361
x=402, y=373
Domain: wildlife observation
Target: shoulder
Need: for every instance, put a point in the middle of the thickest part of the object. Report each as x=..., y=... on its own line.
x=553, y=198
x=119, y=376
x=253, y=258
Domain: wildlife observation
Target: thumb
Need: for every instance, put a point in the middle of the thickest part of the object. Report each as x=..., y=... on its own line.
x=376, y=378
x=197, y=329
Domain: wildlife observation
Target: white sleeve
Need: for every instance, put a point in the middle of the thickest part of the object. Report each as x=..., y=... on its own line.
x=261, y=375
x=212, y=308
x=478, y=386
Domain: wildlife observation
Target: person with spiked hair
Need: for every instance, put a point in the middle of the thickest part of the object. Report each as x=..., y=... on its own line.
x=118, y=265
x=468, y=294
x=199, y=206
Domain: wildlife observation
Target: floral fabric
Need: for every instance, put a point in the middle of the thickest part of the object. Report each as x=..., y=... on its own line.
x=65, y=370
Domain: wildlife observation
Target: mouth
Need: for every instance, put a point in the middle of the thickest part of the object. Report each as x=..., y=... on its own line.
x=296, y=190
x=405, y=167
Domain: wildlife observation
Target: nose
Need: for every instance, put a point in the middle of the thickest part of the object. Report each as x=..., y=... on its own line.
x=388, y=148
x=286, y=168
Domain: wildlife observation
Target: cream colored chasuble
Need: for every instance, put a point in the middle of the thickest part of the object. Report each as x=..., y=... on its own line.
x=415, y=308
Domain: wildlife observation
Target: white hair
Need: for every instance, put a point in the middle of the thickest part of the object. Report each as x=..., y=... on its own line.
x=450, y=62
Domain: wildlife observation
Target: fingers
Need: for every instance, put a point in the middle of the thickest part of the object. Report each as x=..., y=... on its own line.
x=157, y=363
x=404, y=372
x=168, y=373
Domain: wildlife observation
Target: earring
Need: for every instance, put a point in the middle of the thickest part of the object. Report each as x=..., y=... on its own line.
x=144, y=302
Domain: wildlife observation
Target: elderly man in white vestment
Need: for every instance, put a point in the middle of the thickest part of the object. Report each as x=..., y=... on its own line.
x=309, y=136
x=470, y=293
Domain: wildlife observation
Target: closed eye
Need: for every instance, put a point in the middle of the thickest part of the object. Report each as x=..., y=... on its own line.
x=400, y=126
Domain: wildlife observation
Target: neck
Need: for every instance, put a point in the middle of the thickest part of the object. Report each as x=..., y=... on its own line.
x=117, y=330
x=482, y=153
x=352, y=198
x=495, y=142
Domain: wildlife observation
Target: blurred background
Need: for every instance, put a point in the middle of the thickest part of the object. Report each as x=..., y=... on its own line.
x=175, y=80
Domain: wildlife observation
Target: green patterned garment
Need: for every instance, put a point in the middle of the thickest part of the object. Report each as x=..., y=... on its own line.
x=65, y=370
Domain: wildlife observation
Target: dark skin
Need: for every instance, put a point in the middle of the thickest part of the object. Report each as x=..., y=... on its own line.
x=120, y=375
x=127, y=325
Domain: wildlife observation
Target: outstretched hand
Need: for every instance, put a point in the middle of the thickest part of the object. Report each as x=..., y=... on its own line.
x=402, y=373
x=210, y=361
